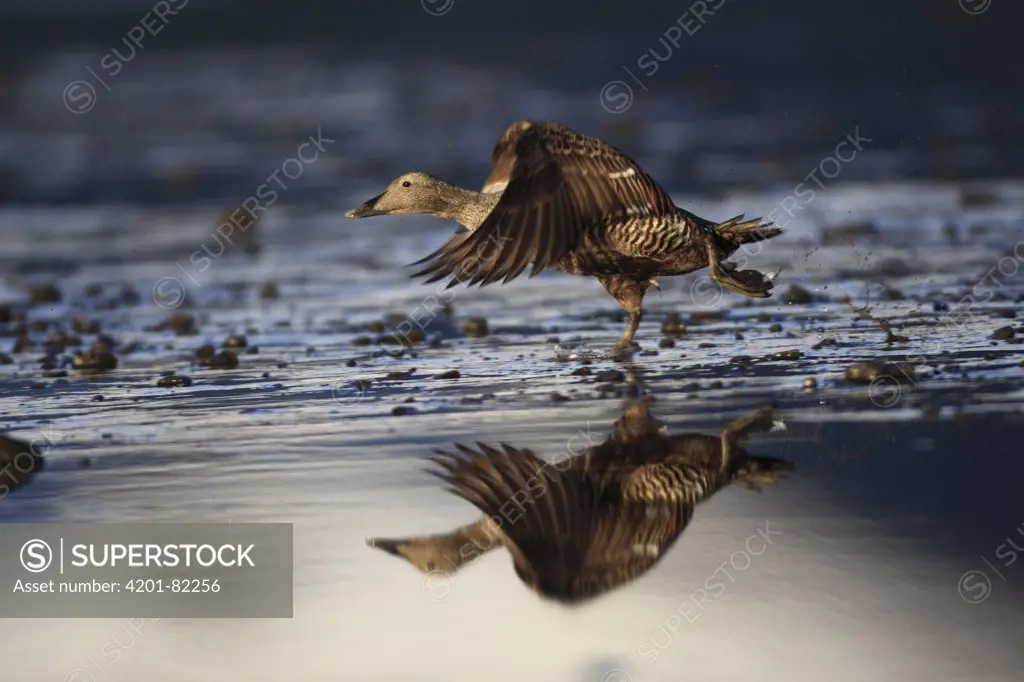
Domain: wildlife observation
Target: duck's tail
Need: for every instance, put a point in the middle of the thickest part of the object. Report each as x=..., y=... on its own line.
x=737, y=231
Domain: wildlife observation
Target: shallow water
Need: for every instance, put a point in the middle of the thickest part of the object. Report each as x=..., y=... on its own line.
x=902, y=490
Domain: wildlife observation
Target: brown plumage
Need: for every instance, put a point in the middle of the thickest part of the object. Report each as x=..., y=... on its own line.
x=558, y=199
x=583, y=526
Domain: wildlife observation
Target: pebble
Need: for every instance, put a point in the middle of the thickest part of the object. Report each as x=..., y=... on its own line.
x=797, y=295
x=673, y=326
x=173, y=381
x=44, y=293
x=868, y=372
x=84, y=326
x=613, y=376
x=225, y=359
x=476, y=328
x=93, y=360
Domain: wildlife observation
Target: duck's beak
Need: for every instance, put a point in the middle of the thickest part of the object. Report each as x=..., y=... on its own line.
x=367, y=209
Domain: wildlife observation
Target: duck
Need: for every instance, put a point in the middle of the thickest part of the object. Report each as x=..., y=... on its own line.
x=559, y=199
x=588, y=524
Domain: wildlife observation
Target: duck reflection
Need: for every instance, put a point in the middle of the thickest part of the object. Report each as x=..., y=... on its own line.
x=582, y=526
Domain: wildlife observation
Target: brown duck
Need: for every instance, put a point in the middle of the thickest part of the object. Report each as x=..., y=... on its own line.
x=583, y=526
x=559, y=199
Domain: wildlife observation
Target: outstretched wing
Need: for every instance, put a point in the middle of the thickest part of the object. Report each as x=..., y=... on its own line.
x=559, y=187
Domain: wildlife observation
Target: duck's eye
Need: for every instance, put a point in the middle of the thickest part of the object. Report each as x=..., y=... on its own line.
x=406, y=184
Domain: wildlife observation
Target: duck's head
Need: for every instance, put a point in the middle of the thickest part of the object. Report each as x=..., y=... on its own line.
x=433, y=553
x=408, y=193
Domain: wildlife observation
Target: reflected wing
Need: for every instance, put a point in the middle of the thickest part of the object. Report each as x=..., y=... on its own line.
x=570, y=538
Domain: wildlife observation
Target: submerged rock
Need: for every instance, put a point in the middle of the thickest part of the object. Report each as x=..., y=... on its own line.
x=20, y=461
x=1003, y=333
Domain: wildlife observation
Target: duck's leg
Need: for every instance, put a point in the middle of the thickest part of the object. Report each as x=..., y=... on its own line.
x=747, y=282
x=629, y=292
x=736, y=431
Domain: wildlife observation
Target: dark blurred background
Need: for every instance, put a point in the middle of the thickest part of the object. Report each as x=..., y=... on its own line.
x=223, y=89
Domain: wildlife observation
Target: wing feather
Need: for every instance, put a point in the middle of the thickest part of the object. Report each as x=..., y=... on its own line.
x=560, y=188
